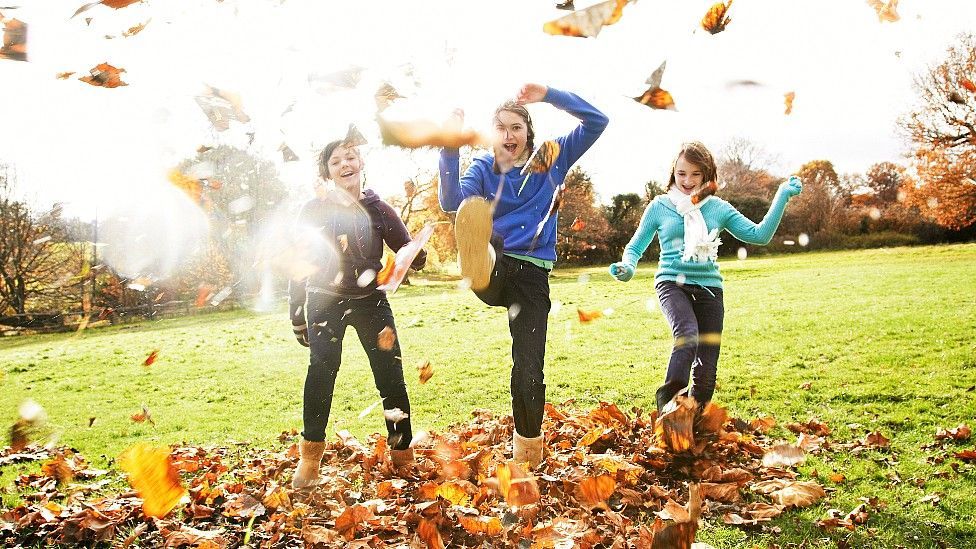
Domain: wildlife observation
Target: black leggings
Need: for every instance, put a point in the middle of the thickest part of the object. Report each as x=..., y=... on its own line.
x=328, y=317
x=523, y=288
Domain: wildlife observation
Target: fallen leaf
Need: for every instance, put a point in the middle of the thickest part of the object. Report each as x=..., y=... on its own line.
x=594, y=491
x=515, y=485
x=968, y=456
x=143, y=416
x=587, y=22
x=716, y=19
x=798, y=494
x=674, y=427
x=385, y=339
x=351, y=519
x=876, y=440
x=806, y=385
x=588, y=316
x=962, y=432
x=489, y=526
x=152, y=475
x=783, y=455
x=429, y=534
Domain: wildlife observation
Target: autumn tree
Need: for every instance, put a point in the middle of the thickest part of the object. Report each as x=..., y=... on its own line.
x=29, y=262
x=582, y=232
x=942, y=128
x=623, y=215
x=812, y=210
x=745, y=168
x=884, y=179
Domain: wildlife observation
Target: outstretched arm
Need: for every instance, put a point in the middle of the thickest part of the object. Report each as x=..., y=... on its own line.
x=452, y=188
x=762, y=233
x=624, y=270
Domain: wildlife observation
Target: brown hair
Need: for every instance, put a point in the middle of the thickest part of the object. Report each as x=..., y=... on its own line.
x=698, y=154
x=513, y=107
x=327, y=153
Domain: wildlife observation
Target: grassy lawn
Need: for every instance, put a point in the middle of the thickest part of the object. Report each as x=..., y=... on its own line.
x=886, y=338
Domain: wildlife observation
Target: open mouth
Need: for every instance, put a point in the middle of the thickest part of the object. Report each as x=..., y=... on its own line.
x=346, y=174
x=510, y=147
x=688, y=188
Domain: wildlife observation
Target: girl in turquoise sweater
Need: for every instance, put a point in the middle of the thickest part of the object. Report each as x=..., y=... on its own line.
x=687, y=281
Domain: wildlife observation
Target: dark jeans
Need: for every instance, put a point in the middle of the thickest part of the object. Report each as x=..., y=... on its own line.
x=328, y=317
x=695, y=314
x=518, y=283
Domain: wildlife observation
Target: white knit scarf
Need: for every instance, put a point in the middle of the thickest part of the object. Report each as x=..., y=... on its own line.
x=700, y=245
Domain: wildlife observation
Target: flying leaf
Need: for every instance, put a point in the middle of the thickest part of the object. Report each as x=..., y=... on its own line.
x=151, y=358
x=136, y=29
x=220, y=107
x=389, y=261
x=716, y=19
x=287, y=155
x=426, y=371
x=385, y=96
x=655, y=97
x=64, y=75
x=578, y=224
x=404, y=258
x=370, y=408
x=788, y=100
x=587, y=22
x=968, y=84
x=594, y=491
x=329, y=82
x=489, y=526
x=395, y=415
x=415, y=134
x=588, y=316
x=885, y=9
x=14, y=40
x=114, y=4
x=515, y=485
x=153, y=476
x=674, y=427
x=353, y=137
x=565, y=5
x=385, y=339
x=105, y=76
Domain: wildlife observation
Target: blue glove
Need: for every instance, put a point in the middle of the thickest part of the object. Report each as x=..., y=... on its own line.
x=792, y=187
x=621, y=271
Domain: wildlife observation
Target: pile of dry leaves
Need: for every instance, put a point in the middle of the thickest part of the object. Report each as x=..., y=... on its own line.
x=610, y=479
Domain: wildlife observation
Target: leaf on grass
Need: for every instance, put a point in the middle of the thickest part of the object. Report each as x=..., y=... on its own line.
x=798, y=494
x=762, y=424
x=726, y=492
x=783, y=455
x=716, y=18
x=962, y=432
x=588, y=316
x=876, y=440
x=968, y=456
x=143, y=416
x=151, y=358
x=152, y=474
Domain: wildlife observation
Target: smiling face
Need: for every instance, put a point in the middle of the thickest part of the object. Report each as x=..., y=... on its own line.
x=688, y=177
x=511, y=135
x=345, y=169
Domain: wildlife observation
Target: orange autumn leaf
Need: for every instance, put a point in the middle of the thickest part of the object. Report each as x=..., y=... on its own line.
x=143, y=416
x=968, y=456
x=876, y=439
x=587, y=22
x=58, y=469
x=885, y=9
x=14, y=40
x=713, y=417
x=588, y=316
x=64, y=75
x=578, y=224
x=968, y=84
x=114, y=4
x=674, y=427
x=152, y=475
x=655, y=97
x=389, y=261
x=489, y=526
x=716, y=19
x=415, y=134
x=454, y=493
x=385, y=339
x=429, y=534
x=135, y=29
x=788, y=100
x=203, y=292
x=594, y=491
x=104, y=75
x=543, y=158
x=19, y=435
x=351, y=519
x=515, y=485
x=151, y=358
x=426, y=372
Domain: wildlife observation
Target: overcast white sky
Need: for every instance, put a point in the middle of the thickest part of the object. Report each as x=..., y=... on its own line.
x=79, y=144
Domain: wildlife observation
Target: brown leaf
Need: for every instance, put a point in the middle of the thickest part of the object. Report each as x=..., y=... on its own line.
x=386, y=339
x=783, y=455
x=351, y=519
x=788, y=101
x=14, y=40
x=415, y=134
x=968, y=456
x=489, y=526
x=588, y=316
x=716, y=19
x=515, y=485
x=713, y=417
x=962, y=432
x=813, y=426
x=725, y=492
x=798, y=494
x=876, y=440
x=762, y=424
x=143, y=416
x=674, y=427
x=429, y=534
x=153, y=476
x=105, y=76
x=594, y=491
x=655, y=97
x=587, y=22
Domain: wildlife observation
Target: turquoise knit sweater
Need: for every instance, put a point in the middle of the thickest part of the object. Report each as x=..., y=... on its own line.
x=663, y=219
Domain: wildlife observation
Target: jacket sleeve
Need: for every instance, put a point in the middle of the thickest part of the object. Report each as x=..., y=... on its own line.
x=757, y=233
x=396, y=235
x=649, y=225
x=592, y=124
x=452, y=187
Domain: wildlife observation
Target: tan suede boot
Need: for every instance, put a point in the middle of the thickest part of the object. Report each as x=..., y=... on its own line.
x=307, y=472
x=527, y=450
x=472, y=232
x=399, y=458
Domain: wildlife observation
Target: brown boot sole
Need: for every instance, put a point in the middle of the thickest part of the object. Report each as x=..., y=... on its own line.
x=472, y=231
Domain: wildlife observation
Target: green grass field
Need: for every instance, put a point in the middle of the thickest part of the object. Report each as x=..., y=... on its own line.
x=886, y=338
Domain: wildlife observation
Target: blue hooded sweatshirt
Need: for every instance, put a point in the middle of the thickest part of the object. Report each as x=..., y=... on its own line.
x=525, y=200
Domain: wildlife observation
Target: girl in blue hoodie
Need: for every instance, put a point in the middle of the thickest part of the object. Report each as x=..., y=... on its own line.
x=343, y=231
x=688, y=282
x=506, y=236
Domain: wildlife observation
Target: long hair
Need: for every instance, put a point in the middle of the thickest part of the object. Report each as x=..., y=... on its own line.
x=513, y=107
x=699, y=155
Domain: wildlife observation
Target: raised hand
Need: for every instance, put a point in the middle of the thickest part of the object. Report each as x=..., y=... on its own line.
x=793, y=186
x=621, y=271
x=531, y=93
